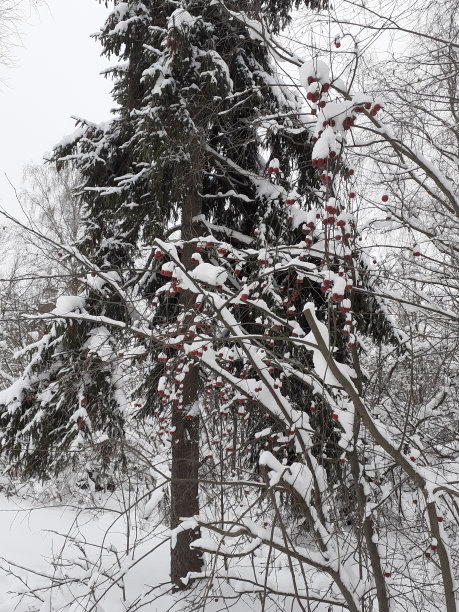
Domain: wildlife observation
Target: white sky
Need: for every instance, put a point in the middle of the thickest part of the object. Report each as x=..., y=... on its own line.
x=56, y=75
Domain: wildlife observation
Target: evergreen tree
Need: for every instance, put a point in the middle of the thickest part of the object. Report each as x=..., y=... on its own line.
x=204, y=135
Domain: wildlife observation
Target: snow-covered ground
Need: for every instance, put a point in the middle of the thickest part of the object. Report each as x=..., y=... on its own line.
x=82, y=552
x=90, y=543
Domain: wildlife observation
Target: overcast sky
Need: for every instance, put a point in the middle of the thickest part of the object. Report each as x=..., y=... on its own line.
x=56, y=75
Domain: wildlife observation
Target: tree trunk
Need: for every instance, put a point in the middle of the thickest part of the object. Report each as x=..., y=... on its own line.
x=185, y=449
x=184, y=484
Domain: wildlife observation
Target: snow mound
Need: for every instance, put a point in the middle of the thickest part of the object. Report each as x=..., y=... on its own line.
x=68, y=303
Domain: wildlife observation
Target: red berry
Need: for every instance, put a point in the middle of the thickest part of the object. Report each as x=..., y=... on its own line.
x=385, y=198
x=352, y=195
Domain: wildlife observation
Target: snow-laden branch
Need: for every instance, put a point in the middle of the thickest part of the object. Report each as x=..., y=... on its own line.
x=418, y=475
x=341, y=573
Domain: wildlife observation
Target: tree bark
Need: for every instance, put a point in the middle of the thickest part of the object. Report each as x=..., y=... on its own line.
x=185, y=449
x=184, y=484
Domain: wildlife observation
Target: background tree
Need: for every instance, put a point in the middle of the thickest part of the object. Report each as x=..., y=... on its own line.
x=32, y=276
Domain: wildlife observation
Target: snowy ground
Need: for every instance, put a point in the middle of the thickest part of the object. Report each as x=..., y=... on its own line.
x=95, y=575
x=104, y=559
x=90, y=541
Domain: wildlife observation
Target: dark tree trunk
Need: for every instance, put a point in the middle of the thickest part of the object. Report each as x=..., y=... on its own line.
x=185, y=449
x=184, y=486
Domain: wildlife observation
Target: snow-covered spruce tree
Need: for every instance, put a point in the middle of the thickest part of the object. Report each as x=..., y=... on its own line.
x=224, y=179
x=200, y=107
x=236, y=201
x=47, y=404
x=187, y=85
